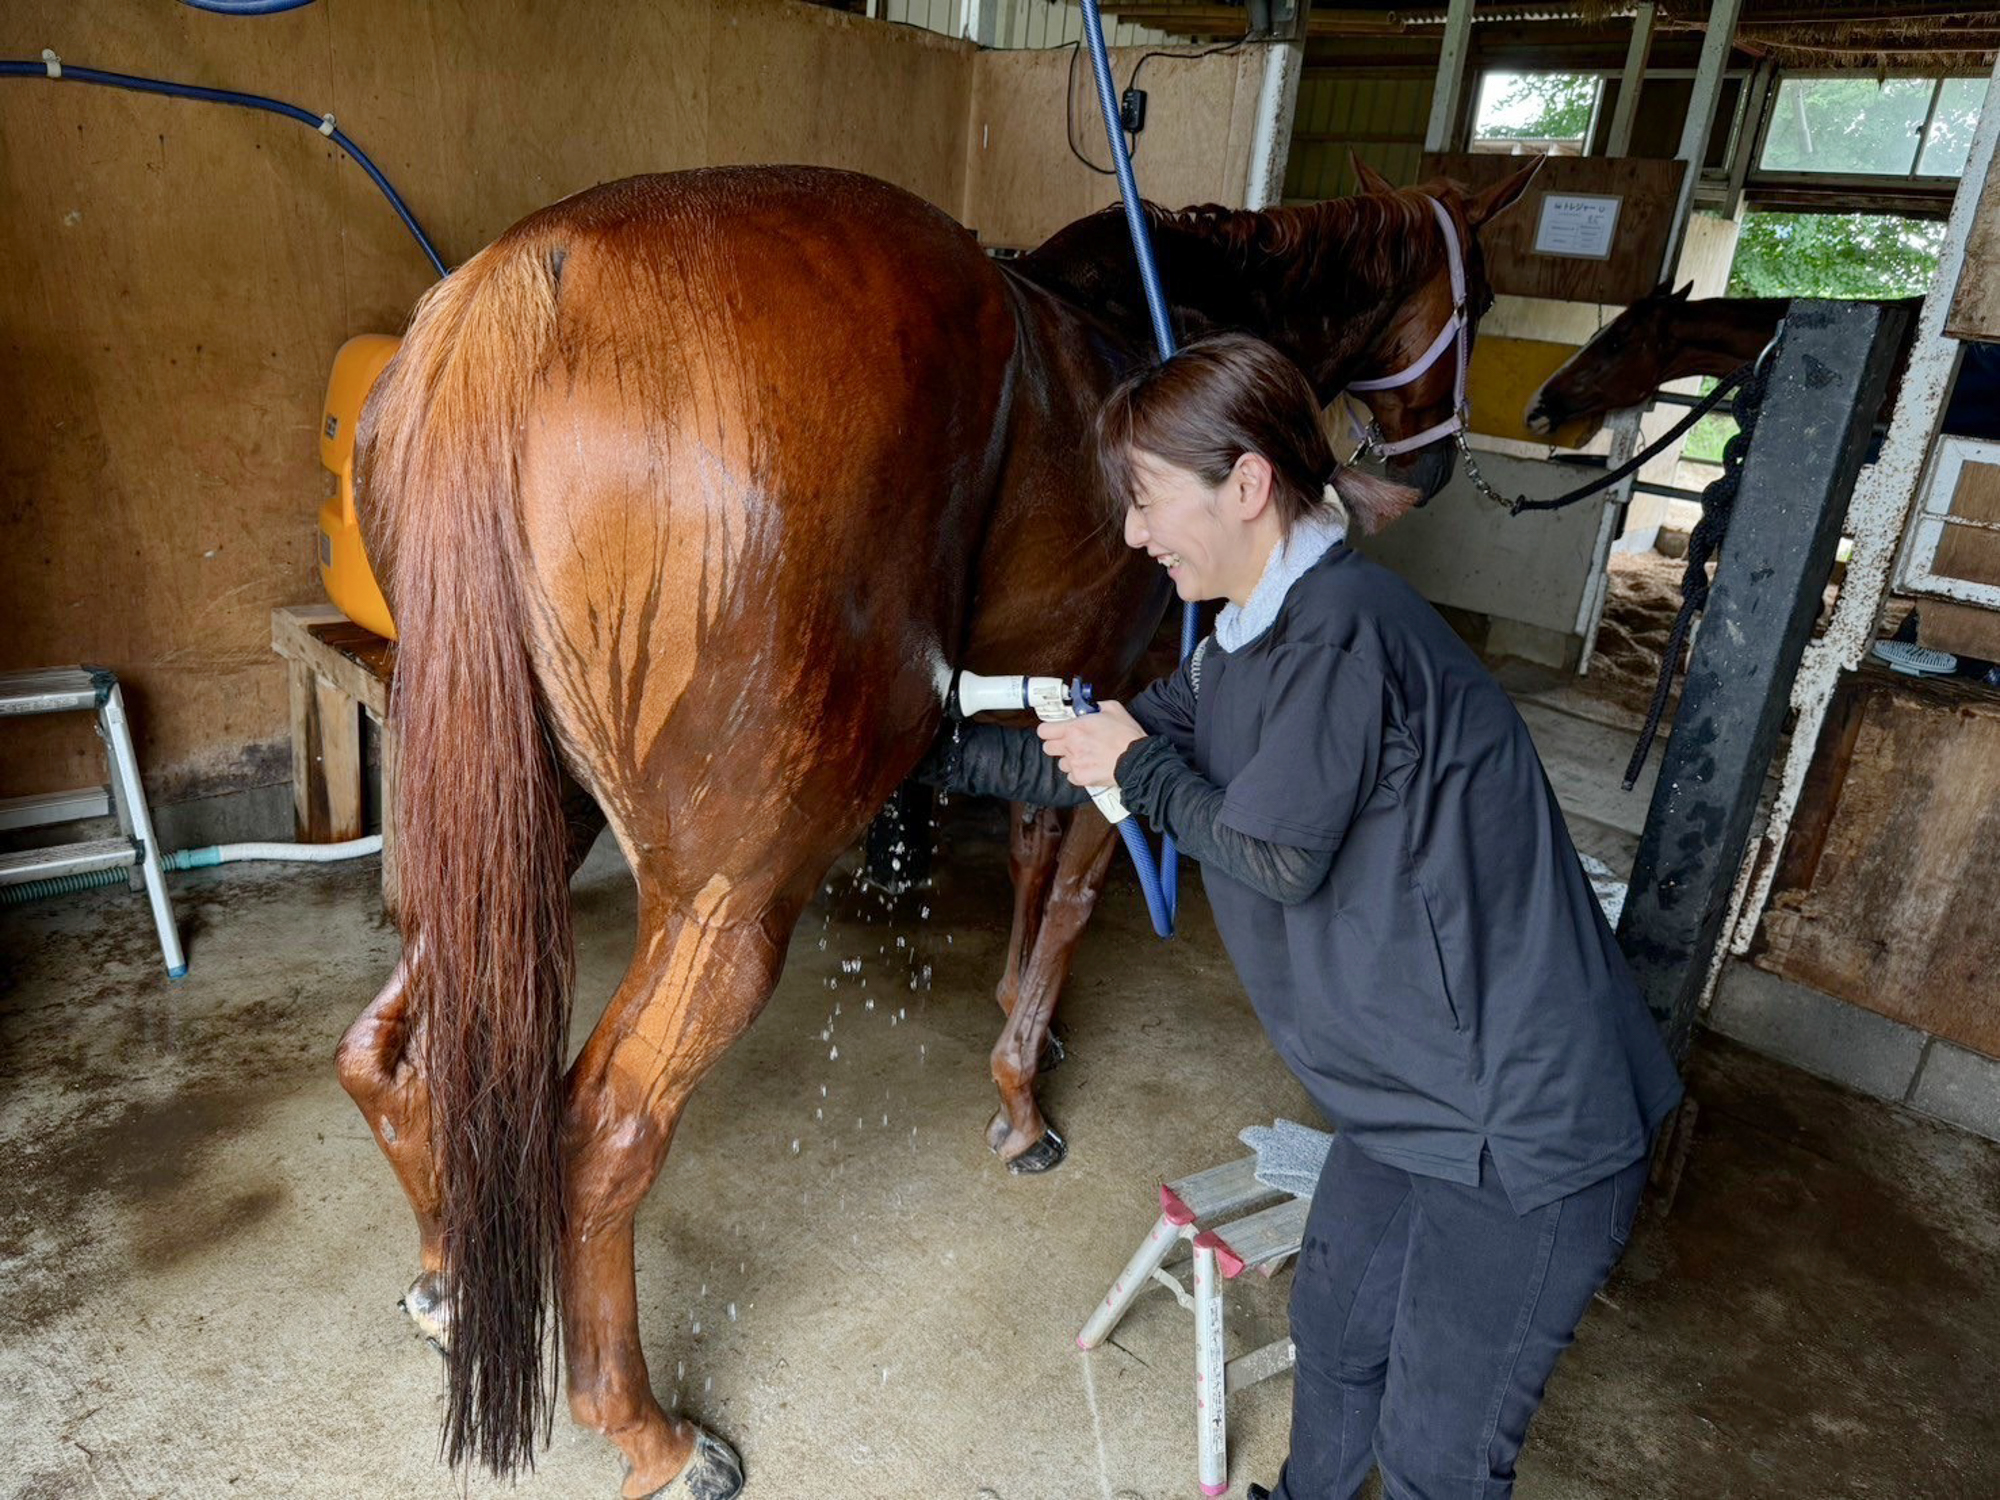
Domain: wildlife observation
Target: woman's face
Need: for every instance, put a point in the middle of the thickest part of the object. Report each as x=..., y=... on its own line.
x=1196, y=531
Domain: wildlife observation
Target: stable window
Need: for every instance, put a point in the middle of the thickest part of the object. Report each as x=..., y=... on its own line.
x=1546, y=113
x=1872, y=127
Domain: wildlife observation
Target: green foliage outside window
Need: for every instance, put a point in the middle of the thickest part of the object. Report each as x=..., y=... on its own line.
x=1882, y=256
x=1535, y=106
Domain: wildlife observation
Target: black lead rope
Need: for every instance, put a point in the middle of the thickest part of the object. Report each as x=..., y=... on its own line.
x=1604, y=481
x=1718, y=503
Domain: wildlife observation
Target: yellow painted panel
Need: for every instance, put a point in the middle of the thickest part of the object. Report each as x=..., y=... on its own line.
x=1505, y=373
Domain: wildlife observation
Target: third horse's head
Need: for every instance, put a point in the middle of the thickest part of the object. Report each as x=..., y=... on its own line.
x=1621, y=367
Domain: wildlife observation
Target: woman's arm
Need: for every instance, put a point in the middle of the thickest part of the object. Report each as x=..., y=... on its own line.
x=1173, y=796
x=987, y=760
x=1157, y=785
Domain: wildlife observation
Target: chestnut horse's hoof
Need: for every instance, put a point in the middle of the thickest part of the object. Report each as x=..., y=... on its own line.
x=428, y=1302
x=1044, y=1156
x=713, y=1472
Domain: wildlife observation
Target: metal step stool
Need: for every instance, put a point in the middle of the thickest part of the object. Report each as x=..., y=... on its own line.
x=61, y=690
x=1198, y=1209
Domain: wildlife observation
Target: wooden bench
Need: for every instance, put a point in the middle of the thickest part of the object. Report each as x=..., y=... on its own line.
x=339, y=672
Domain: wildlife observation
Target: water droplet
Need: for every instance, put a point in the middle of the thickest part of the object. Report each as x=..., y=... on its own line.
x=795, y=1148
x=833, y=1055
x=732, y=1312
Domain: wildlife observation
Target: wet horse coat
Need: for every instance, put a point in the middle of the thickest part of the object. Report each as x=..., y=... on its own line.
x=695, y=488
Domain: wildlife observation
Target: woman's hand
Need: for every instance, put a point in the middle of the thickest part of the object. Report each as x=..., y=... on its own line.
x=1088, y=748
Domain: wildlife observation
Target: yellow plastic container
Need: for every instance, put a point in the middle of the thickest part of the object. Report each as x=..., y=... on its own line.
x=343, y=561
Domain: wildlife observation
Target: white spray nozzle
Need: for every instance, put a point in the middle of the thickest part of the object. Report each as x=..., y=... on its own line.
x=1050, y=699
x=1045, y=697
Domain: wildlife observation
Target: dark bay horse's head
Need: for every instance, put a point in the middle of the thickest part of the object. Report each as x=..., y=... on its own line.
x=1623, y=366
x=1413, y=325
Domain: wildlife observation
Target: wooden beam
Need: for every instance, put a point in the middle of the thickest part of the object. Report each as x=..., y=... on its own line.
x=1450, y=85
x=1700, y=120
x=1630, y=81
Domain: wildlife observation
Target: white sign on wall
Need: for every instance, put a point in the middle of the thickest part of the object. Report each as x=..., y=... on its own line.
x=1578, y=225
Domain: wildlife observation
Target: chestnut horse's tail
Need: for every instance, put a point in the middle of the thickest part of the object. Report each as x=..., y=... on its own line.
x=484, y=904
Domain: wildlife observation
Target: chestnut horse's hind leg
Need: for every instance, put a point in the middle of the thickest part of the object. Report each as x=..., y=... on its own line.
x=1018, y=1131
x=378, y=1066
x=379, y=1060
x=698, y=977
x=1033, y=836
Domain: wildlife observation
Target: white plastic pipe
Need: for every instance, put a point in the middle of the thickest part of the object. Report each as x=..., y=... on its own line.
x=316, y=854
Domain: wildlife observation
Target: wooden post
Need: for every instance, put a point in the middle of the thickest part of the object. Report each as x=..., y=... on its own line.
x=1277, y=110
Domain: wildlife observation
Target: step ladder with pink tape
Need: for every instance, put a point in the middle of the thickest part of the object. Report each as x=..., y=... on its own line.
x=1232, y=1223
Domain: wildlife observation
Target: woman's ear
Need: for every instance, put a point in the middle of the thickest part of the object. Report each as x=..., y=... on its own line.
x=1250, y=485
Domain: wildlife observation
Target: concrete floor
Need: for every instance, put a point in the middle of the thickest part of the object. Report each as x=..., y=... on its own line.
x=201, y=1249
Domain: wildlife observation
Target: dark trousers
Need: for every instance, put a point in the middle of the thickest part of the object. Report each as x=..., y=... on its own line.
x=1427, y=1317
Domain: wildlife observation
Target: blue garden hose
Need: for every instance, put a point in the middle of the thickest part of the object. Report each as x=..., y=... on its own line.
x=247, y=7
x=54, y=69
x=1161, y=882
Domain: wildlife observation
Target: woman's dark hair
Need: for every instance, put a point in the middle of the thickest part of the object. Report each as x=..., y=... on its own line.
x=1222, y=397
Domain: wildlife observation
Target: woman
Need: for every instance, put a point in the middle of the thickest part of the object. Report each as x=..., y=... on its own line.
x=1391, y=875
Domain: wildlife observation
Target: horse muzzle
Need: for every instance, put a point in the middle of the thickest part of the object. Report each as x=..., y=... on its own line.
x=1427, y=471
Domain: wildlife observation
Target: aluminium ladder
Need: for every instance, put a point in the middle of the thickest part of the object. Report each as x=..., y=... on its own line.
x=89, y=690
x=1200, y=1209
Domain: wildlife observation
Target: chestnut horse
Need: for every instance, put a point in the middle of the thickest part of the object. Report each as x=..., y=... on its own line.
x=695, y=488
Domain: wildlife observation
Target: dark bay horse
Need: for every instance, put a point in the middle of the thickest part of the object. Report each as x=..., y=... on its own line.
x=695, y=489
x=1666, y=336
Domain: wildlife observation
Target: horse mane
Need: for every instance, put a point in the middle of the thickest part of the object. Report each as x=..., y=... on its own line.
x=1319, y=280
x=1372, y=240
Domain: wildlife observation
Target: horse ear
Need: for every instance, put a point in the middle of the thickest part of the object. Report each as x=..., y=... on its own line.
x=1682, y=294
x=1370, y=180
x=1490, y=202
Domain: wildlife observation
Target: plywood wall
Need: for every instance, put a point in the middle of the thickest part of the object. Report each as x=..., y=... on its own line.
x=1646, y=192
x=1022, y=181
x=1019, y=23
x=174, y=279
